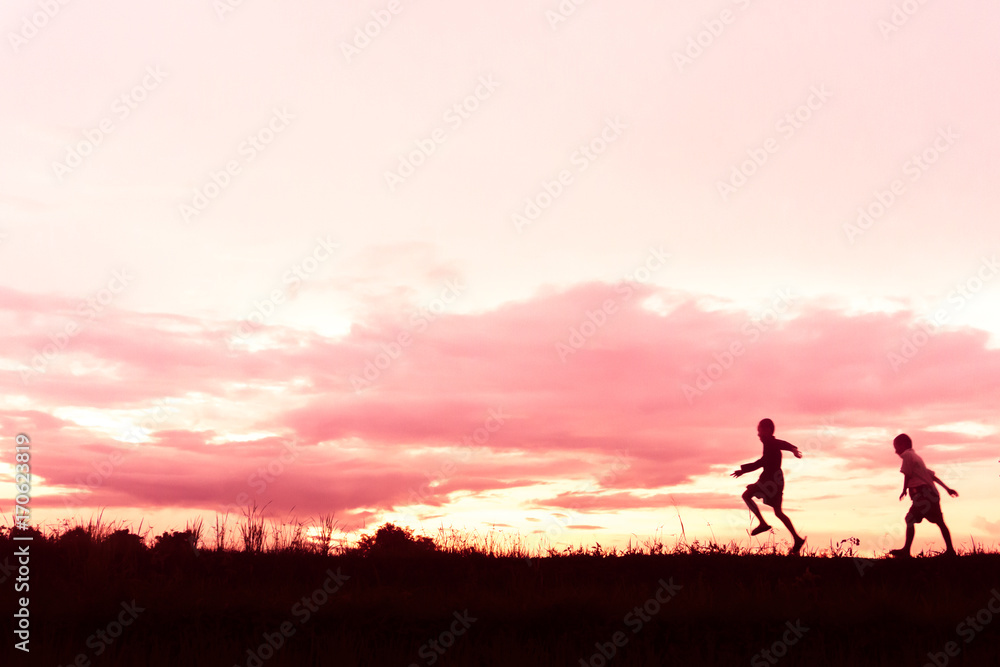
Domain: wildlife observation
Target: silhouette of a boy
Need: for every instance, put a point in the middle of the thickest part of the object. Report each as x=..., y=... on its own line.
x=770, y=486
x=926, y=499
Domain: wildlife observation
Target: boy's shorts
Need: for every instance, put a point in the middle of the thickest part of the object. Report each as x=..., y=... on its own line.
x=769, y=491
x=926, y=505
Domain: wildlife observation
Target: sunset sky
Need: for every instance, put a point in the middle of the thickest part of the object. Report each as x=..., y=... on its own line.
x=528, y=265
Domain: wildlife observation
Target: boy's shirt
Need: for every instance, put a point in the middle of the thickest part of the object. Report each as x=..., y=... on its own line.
x=770, y=460
x=915, y=472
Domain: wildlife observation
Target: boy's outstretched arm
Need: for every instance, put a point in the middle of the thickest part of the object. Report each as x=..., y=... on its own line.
x=748, y=467
x=796, y=451
x=791, y=448
x=951, y=492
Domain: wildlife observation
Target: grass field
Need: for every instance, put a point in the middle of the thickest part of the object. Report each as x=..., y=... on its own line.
x=102, y=595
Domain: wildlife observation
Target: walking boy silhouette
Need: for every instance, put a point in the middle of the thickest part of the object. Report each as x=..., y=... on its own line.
x=926, y=499
x=770, y=486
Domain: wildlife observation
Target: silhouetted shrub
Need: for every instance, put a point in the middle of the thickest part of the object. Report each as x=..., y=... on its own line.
x=77, y=539
x=123, y=540
x=392, y=540
x=175, y=549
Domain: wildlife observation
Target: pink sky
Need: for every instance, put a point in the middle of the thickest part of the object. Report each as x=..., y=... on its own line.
x=608, y=253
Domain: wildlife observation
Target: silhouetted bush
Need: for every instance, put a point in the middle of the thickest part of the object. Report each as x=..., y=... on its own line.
x=77, y=539
x=392, y=540
x=175, y=549
x=124, y=541
x=126, y=550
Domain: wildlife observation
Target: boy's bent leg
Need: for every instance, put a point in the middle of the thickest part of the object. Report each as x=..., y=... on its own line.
x=748, y=499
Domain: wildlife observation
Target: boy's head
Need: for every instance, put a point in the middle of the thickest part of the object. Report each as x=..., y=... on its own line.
x=765, y=429
x=901, y=443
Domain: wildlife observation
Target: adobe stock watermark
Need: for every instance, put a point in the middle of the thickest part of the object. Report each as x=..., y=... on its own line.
x=153, y=418
x=432, y=650
x=21, y=618
x=100, y=641
x=293, y=279
x=7, y=568
x=101, y=470
x=964, y=292
x=265, y=475
x=302, y=612
x=899, y=16
x=710, y=31
x=581, y=158
x=914, y=167
x=471, y=445
x=562, y=12
x=752, y=330
x=595, y=320
x=823, y=437
x=365, y=34
x=220, y=179
x=89, y=309
x=968, y=629
x=635, y=620
x=892, y=534
x=224, y=8
x=121, y=108
x=779, y=649
x=894, y=531
x=786, y=127
x=419, y=321
x=34, y=23
x=816, y=444
x=453, y=117
x=555, y=526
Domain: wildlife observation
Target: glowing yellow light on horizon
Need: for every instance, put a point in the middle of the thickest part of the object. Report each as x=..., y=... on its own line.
x=975, y=429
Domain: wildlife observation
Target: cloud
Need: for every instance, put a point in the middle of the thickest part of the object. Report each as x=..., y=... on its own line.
x=614, y=502
x=989, y=527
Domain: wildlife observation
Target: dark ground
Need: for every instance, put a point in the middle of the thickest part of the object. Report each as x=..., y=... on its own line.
x=209, y=608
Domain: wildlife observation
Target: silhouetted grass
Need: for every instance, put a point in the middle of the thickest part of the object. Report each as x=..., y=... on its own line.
x=394, y=592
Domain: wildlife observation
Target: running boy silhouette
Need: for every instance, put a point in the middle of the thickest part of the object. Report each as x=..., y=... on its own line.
x=770, y=486
x=926, y=499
